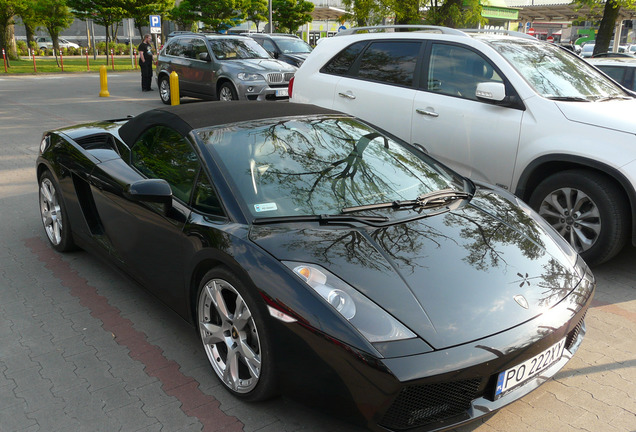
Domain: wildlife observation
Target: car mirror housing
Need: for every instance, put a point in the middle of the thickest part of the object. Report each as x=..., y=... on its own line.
x=204, y=56
x=150, y=190
x=491, y=91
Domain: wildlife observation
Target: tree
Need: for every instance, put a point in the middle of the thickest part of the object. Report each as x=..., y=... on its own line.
x=406, y=12
x=56, y=16
x=455, y=13
x=183, y=16
x=218, y=15
x=102, y=12
x=30, y=20
x=366, y=12
x=8, y=9
x=140, y=11
x=291, y=14
x=611, y=8
x=256, y=11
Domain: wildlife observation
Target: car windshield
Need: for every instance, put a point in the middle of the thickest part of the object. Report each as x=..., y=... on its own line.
x=320, y=165
x=290, y=45
x=233, y=49
x=554, y=73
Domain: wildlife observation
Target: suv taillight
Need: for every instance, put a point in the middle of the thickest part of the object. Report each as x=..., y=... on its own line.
x=290, y=86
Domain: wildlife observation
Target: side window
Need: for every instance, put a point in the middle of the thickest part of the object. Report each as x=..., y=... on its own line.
x=269, y=45
x=391, y=62
x=198, y=47
x=456, y=71
x=163, y=153
x=179, y=47
x=342, y=62
x=205, y=197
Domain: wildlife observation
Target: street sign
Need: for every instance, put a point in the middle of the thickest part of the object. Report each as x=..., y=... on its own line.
x=155, y=24
x=530, y=31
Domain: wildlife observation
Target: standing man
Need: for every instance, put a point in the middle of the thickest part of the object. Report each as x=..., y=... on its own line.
x=145, y=62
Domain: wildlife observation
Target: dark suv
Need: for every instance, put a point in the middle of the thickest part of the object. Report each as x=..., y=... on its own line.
x=221, y=67
x=286, y=47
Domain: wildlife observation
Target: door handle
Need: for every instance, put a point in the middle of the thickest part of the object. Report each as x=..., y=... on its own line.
x=347, y=95
x=426, y=112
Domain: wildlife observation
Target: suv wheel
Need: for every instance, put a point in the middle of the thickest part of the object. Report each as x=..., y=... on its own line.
x=164, y=90
x=227, y=92
x=587, y=209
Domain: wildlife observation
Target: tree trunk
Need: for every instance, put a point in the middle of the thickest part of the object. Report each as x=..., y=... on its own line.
x=606, y=29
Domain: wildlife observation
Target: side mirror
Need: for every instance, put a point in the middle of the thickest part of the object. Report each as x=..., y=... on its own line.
x=151, y=190
x=205, y=56
x=491, y=91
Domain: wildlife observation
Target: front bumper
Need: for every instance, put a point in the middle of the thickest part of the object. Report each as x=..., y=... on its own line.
x=435, y=390
x=260, y=90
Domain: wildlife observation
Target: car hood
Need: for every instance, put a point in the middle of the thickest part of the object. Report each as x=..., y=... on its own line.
x=451, y=278
x=261, y=65
x=615, y=114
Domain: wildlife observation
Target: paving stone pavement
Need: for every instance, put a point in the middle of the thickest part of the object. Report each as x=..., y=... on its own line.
x=82, y=348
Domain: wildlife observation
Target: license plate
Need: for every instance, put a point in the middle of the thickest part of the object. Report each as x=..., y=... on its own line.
x=282, y=93
x=518, y=375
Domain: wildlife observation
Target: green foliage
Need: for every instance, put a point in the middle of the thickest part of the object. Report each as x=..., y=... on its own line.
x=455, y=13
x=291, y=14
x=183, y=15
x=55, y=16
x=218, y=15
x=366, y=12
x=256, y=11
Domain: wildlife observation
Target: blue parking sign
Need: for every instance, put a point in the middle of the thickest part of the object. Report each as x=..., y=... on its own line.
x=155, y=24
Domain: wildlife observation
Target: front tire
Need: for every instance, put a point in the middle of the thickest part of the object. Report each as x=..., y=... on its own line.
x=53, y=212
x=164, y=90
x=227, y=92
x=235, y=336
x=587, y=209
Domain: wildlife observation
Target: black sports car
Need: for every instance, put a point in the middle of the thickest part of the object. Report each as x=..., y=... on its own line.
x=321, y=257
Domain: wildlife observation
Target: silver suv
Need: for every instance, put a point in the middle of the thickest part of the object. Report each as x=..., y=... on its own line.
x=221, y=67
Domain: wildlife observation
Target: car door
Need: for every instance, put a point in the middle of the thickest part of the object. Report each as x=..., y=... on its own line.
x=147, y=237
x=178, y=58
x=477, y=138
x=379, y=86
x=202, y=75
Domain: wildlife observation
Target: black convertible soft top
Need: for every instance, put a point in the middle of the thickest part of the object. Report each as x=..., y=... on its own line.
x=187, y=117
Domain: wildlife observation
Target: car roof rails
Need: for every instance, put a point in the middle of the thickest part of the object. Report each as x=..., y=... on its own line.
x=500, y=31
x=385, y=28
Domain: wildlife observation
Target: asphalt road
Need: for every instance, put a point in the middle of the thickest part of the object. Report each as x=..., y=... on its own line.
x=62, y=367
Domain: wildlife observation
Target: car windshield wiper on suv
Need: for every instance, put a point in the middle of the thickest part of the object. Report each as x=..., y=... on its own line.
x=569, y=98
x=429, y=200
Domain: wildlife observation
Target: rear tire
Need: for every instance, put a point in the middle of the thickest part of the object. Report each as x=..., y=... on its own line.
x=53, y=213
x=587, y=209
x=164, y=90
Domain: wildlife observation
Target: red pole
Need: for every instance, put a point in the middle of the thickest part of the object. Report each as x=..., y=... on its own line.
x=88, y=66
x=4, y=58
x=62, y=60
x=112, y=58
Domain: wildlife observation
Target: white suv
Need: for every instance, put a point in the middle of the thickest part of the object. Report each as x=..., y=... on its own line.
x=503, y=108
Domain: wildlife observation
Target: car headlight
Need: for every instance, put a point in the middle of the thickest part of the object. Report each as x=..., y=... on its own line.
x=244, y=76
x=375, y=324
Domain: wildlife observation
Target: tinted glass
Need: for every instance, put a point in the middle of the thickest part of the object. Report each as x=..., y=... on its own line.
x=553, y=72
x=230, y=49
x=292, y=45
x=310, y=166
x=390, y=62
x=205, y=198
x=163, y=153
x=456, y=71
x=178, y=47
x=342, y=62
x=198, y=47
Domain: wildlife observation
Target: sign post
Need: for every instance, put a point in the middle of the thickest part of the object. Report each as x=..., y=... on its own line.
x=155, y=26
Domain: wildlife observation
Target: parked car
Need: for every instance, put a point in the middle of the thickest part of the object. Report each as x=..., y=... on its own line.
x=323, y=258
x=288, y=48
x=621, y=70
x=557, y=133
x=587, y=50
x=47, y=43
x=221, y=67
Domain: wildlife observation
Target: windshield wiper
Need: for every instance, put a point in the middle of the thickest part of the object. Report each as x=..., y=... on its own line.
x=431, y=199
x=569, y=98
x=323, y=219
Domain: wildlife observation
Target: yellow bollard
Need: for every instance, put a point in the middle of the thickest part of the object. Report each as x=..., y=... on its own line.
x=174, y=88
x=103, y=82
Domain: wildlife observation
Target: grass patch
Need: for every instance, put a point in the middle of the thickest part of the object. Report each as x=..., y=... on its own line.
x=71, y=64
